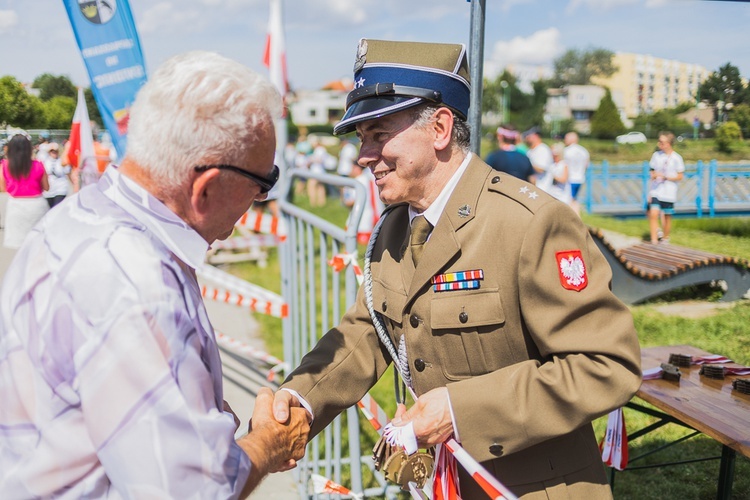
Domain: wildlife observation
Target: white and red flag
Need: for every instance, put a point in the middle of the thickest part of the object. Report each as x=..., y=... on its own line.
x=81, y=139
x=274, y=55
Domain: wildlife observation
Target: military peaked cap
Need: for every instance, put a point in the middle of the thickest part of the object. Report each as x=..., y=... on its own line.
x=393, y=76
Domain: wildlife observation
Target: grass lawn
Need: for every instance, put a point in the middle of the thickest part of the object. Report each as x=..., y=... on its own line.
x=727, y=332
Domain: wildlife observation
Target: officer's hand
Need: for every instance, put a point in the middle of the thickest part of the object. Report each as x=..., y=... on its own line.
x=431, y=416
x=282, y=402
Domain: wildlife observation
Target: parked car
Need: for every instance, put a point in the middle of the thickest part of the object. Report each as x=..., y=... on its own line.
x=631, y=138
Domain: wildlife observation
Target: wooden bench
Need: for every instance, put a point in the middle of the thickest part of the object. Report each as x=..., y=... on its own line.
x=645, y=270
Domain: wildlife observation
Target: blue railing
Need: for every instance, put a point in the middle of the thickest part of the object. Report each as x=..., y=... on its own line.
x=623, y=189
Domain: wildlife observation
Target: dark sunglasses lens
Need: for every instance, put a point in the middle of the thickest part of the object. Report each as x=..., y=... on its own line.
x=271, y=181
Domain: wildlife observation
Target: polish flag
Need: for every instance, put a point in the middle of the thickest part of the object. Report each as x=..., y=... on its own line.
x=274, y=55
x=81, y=145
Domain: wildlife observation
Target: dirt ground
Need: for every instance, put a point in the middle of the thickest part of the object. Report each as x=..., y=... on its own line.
x=693, y=309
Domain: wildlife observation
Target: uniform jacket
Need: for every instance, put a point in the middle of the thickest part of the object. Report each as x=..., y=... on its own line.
x=528, y=362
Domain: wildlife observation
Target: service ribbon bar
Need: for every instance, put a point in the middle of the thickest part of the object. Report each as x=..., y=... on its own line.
x=476, y=274
x=456, y=285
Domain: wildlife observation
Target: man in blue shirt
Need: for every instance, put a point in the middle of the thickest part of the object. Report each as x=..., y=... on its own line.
x=507, y=159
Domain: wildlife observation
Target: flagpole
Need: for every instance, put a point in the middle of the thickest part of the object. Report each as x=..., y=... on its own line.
x=274, y=59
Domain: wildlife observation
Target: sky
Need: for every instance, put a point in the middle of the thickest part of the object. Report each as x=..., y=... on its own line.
x=322, y=35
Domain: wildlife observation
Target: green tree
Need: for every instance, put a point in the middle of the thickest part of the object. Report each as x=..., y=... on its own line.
x=606, y=122
x=52, y=86
x=58, y=112
x=577, y=67
x=663, y=119
x=724, y=85
x=741, y=115
x=727, y=137
x=17, y=107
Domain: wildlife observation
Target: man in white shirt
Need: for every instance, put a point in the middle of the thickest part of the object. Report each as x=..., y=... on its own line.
x=577, y=158
x=111, y=375
x=541, y=159
x=667, y=168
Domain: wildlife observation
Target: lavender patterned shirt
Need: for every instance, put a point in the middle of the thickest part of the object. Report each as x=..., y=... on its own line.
x=110, y=377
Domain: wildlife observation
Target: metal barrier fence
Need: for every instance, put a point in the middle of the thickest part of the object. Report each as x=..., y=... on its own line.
x=318, y=296
x=706, y=190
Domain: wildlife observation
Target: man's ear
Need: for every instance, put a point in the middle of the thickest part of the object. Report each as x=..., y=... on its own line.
x=205, y=191
x=443, y=128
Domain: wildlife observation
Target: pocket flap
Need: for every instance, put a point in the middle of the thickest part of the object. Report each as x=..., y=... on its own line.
x=460, y=310
x=389, y=303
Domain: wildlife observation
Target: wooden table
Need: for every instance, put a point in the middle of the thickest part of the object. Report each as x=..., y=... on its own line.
x=709, y=406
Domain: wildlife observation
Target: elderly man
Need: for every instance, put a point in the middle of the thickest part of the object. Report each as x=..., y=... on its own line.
x=502, y=323
x=112, y=384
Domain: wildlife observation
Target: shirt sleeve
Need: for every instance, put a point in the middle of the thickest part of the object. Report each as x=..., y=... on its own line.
x=150, y=408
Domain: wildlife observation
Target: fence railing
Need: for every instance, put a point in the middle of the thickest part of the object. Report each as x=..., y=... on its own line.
x=705, y=190
x=318, y=296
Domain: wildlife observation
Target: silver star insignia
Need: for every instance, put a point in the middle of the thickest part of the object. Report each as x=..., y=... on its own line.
x=359, y=83
x=524, y=189
x=533, y=195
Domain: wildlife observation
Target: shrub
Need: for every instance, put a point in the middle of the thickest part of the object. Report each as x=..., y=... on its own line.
x=727, y=136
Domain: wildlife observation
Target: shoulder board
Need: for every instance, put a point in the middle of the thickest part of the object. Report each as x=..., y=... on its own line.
x=520, y=191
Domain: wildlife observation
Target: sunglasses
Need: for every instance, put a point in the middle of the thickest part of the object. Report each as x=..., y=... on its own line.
x=265, y=183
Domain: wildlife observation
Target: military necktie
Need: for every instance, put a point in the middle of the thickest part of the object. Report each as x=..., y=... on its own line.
x=420, y=230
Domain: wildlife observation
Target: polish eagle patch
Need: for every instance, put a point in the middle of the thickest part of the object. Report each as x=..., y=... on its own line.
x=572, y=270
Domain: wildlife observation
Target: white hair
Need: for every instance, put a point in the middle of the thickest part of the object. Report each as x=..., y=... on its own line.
x=198, y=108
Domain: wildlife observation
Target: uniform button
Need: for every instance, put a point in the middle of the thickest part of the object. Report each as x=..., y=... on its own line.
x=496, y=449
x=414, y=321
x=385, y=306
x=419, y=364
x=463, y=317
x=495, y=180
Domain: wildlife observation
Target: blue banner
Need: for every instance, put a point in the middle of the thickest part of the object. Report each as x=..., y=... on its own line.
x=106, y=34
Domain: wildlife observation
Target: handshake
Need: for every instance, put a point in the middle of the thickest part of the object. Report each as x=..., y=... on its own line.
x=273, y=445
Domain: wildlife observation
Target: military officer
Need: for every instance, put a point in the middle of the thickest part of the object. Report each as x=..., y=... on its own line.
x=503, y=322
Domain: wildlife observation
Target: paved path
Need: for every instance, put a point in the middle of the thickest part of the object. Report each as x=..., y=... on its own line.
x=240, y=382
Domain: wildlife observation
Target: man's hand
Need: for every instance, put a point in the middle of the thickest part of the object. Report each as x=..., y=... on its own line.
x=271, y=445
x=431, y=416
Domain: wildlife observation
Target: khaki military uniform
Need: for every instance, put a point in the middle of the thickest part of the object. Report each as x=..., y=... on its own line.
x=528, y=362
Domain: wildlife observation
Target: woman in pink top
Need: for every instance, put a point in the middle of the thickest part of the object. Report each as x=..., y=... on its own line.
x=24, y=179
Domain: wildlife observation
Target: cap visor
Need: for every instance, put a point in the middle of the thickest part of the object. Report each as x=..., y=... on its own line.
x=371, y=108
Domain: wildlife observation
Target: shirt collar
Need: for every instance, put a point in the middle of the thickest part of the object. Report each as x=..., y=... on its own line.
x=181, y=239
x=435, y=210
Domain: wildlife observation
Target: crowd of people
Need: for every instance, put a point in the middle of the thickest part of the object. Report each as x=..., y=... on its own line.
x=559, y=170
x=41, y=171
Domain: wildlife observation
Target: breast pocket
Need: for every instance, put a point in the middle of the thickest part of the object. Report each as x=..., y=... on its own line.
x=461, y=323
x=389, y=303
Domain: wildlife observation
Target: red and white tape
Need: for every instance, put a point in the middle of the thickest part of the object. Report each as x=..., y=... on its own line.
x=339, y=261
x=246, y=242
x=374, y=413
x=230, y=289
x=277, y=366
x=323, y=485
x=263, y=223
